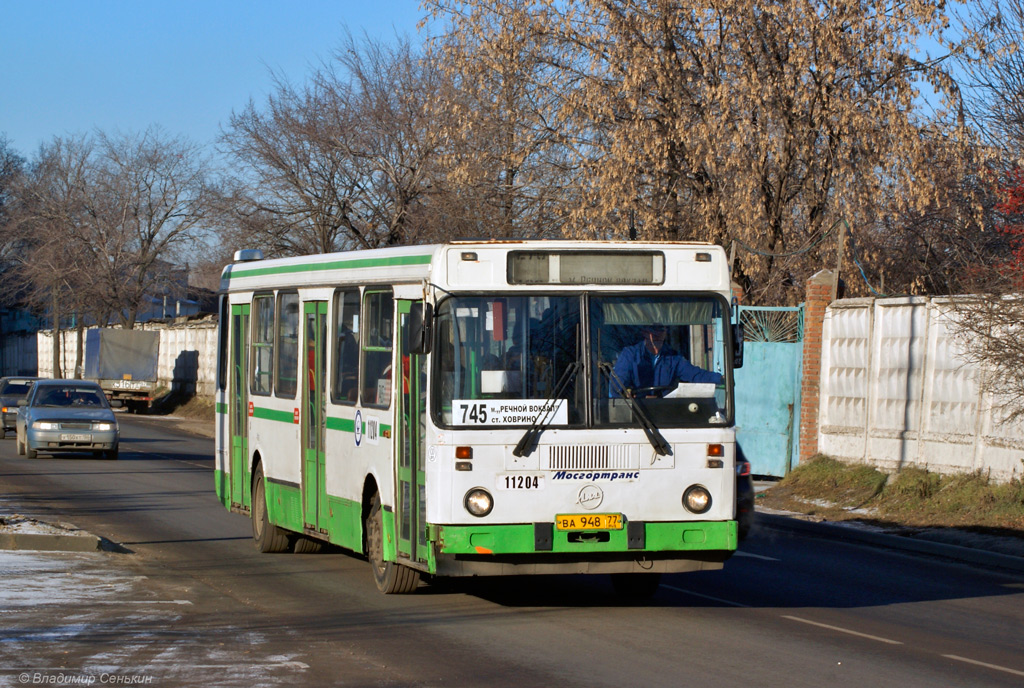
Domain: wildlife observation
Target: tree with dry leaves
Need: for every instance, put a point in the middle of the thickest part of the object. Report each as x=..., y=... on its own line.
x=508, y=161
x=764, y=125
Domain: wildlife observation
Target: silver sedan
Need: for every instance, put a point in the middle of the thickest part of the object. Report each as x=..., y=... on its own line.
x=13, y=390
x=66, y=416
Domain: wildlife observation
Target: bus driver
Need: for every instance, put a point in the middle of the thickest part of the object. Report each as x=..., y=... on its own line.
x=655, y=368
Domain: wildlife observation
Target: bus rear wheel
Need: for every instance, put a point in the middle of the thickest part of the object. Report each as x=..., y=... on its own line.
x=268, y=537
x=391, y=577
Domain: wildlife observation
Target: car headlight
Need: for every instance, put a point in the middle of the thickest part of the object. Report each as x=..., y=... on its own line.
x=103, y=427
x=697, y=499
x=45, y=425
x=479, y=502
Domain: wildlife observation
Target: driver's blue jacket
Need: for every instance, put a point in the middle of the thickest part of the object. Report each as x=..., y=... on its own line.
x=637, y=367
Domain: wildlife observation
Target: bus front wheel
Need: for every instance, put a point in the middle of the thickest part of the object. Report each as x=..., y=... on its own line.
x=268, y=537
x=391, y=577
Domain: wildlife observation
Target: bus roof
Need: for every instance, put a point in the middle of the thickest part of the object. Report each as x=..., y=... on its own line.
x=484, y=265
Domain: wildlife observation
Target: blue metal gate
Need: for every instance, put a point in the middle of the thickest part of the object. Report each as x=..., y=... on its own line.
x=768, y=388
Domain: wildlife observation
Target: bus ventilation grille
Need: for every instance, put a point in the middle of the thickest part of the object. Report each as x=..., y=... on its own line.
x=588, y=457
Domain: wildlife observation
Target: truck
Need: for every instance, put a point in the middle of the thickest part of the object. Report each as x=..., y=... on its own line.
x=125, y=364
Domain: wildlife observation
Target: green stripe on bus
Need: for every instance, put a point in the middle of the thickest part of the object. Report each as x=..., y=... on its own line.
x=349, y=425
x=520, y=539
x=341, y=424
x=274, y=415
x=351, y=264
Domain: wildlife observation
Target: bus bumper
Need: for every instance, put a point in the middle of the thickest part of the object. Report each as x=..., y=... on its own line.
x=540, y=549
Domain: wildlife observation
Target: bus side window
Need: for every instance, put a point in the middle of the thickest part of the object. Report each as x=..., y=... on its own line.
x=346, y=346
x=287, y=345
x=378, y=322
x=262, y=344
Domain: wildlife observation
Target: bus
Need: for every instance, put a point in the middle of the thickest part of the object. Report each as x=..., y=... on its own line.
x=471, y=408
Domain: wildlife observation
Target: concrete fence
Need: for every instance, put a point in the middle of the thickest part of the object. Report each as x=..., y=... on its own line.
x=188, y=354
x=893, y=390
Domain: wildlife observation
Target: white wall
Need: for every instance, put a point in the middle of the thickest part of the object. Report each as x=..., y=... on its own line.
x=895, y=392
x=188, y=354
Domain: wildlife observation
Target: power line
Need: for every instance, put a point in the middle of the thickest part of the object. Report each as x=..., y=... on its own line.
x=797, y=252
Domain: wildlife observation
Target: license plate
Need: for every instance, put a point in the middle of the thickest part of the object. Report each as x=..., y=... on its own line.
x=69, y=437
x=588, y=522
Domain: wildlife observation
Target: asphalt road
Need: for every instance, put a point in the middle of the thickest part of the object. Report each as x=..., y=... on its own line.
x=194, y=604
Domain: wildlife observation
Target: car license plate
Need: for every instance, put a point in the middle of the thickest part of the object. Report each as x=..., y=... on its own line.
x=70, y=437
x=588, y=522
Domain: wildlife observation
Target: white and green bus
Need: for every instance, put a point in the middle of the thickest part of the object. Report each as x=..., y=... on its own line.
x=484, y=408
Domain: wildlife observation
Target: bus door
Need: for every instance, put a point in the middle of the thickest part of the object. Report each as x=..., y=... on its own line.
x=411, y=445
x=314, y=405
x=239, y=399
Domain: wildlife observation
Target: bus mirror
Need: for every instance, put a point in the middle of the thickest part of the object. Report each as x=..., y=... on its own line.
x=421, y=327
x=737, y=345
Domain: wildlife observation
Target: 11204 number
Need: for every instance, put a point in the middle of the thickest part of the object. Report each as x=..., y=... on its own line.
x=520, y=482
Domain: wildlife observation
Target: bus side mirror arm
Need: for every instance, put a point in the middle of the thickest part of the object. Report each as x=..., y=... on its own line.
x=737, y=345
x=421, y=327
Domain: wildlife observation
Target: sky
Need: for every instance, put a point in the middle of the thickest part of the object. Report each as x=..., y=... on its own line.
x=71, y=67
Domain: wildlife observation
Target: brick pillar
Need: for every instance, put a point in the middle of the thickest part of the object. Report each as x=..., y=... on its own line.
x=819, y=295
x=737, y=292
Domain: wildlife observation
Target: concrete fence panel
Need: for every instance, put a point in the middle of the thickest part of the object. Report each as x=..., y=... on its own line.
x=896, y=391
x=187, y=356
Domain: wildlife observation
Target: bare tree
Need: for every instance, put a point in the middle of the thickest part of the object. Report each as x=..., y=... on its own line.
x=99, y=218
x=397, y=139
x=343, y=162
x=294, y=197
x=50, y=271
x=150, y=200
x=11, y=167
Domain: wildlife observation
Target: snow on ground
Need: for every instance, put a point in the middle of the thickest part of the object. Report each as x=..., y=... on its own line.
x=88, y=618
x=23, y=524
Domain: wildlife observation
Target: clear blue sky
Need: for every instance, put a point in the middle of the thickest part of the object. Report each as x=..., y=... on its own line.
x=73, y=66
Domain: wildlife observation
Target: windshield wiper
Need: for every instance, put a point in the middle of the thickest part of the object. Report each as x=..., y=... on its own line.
x=547, y=413
x=659, y=443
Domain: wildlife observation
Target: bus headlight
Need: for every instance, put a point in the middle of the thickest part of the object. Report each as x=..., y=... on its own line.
x=697, y=499
x=479, y=502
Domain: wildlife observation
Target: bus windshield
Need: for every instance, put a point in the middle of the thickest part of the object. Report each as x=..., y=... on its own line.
x=597, y=360
x=664, y=354
x=501, y=357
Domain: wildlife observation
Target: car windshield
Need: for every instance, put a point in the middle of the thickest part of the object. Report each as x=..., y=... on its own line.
x=15, y=388
x=69, y=397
